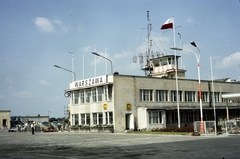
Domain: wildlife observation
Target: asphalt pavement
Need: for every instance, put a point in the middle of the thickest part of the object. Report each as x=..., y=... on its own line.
x=71, y=145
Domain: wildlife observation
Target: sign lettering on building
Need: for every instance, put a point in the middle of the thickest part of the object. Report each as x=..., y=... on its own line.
x=88, y=82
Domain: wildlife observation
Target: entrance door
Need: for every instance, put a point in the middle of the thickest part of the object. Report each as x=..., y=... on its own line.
x=127, y=121
x=129, y=118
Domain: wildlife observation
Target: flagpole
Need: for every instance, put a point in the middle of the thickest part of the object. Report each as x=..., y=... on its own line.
x=106, y=60
x=176, y=67
x=83, y=65
x=95, y=63
x=213, y=97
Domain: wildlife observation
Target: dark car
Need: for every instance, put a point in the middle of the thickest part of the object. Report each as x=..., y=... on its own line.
x=45, y=123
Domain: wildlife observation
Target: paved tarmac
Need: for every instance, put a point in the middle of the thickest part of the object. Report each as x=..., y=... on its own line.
x=72, y=145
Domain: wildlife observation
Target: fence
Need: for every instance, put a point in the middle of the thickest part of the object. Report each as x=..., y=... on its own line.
x=209, y=127
x=231, y=127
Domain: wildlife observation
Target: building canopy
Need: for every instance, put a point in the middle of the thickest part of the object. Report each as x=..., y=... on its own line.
x=232, y=96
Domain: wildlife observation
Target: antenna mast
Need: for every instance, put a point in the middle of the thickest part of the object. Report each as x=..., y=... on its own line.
x=149, y=26
x=149, y=41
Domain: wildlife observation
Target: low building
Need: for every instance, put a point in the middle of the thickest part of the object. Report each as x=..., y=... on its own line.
x=36, y=119
x=5, y=118
x=144, y=102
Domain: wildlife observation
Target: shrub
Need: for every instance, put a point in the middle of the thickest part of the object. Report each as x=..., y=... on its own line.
x=183, y=129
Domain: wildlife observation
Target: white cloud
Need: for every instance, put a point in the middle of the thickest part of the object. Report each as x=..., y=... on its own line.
x=62, y=27
x=79, y=28
x=24, y=94
x=9, y=80
x=43, y=82
x=2, y=97
x=87, y=49
x=50, y=26
x=44, y=24
x=159, y=44
x=232, y=60
x=128, y=69
x=189, y=19
x=122, y=55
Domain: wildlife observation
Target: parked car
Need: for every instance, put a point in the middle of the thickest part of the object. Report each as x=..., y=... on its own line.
x=13, y=129
x=45, y=123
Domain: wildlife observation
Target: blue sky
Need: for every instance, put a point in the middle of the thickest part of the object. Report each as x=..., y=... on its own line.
x=34, y=35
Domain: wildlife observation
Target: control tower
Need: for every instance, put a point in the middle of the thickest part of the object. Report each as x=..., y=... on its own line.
x=165, y=67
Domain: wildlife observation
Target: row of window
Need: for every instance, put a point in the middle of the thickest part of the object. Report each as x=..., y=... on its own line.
x=104, y=93
x=95, y=94
x=183, y=96
x=98, y=118
x=155, y=117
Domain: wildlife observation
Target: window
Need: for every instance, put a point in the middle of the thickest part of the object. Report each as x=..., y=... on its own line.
x=76, y=96
x=216, y=96
x=189, y=96
x=205, y=96
x=163, y=62
x=174, y=117
x=87, y=95
x=97, y=118
x=174, y=96
x=94, y=95
x=161, y=95
x=154, y=117
x=99, y=93
x=191, y=117
x=75, y=119
x=100, y=118
x=85, y=119
x=110, y=92
x=105, y=88
x=81, y=96
x=88, y=119
x=146, y=95
x=109, y=117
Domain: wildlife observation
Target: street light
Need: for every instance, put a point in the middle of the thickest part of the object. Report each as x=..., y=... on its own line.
x=199, y=81
x=94, y=53
x=72, y=62
x=66, y=70
x=48, y=115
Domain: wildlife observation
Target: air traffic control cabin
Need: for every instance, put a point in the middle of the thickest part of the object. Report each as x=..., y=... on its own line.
x=126, y=102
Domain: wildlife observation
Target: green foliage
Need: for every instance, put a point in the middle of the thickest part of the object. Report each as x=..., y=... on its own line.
x=183, y=129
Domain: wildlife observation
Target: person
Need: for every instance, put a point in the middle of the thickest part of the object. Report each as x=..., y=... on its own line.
x=26, y=126
x=32, y=127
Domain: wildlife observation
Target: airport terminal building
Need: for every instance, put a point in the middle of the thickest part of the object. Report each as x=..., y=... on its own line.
x=129, y=102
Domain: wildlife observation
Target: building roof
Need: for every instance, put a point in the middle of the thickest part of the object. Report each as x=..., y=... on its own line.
x=5, y=110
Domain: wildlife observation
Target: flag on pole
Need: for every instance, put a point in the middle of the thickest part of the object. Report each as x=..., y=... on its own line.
x=168, y=24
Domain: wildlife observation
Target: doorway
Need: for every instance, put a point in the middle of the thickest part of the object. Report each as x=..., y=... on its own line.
x=127, y=121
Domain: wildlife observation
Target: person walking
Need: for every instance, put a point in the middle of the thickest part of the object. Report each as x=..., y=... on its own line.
x=32, y=127
x=26, y=127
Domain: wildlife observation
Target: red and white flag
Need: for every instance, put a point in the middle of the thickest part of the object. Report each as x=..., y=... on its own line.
x=168, y=24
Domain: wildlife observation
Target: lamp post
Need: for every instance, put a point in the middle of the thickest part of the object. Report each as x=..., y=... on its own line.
x=66, y=70
x=48, y=115
x=199, y=81
x=72, y=62
x=94, y=53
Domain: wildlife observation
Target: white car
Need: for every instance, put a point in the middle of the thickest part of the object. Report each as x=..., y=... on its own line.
x=13, y=129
